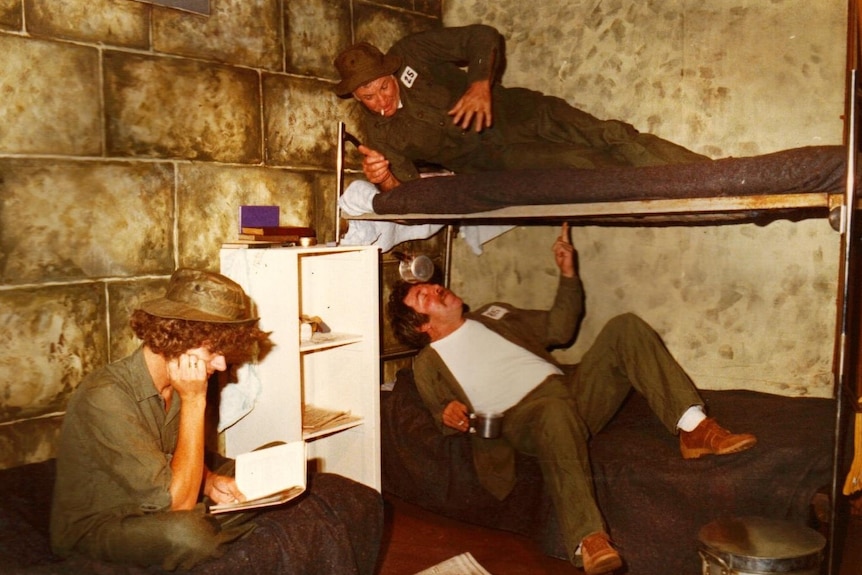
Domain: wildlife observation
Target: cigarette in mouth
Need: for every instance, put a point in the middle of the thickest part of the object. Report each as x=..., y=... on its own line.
x=382, y=112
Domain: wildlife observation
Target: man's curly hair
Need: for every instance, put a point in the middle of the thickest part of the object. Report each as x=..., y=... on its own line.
x=405, y=320
x=173, y=337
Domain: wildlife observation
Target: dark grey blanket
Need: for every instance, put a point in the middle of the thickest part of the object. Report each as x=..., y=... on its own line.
x=336, y=527
x=799, y=170
x=653, y=500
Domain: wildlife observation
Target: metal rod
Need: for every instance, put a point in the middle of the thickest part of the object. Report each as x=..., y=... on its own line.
x=339, y=181
x=844, y=339
x=447, y=260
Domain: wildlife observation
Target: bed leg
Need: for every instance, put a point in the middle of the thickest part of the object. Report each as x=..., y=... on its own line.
x=447, y=258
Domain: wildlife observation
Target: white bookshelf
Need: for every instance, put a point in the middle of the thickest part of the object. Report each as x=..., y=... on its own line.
x=337, y=371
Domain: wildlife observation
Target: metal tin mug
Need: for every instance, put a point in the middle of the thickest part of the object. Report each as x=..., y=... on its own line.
x=414, y=269
x=487, y=425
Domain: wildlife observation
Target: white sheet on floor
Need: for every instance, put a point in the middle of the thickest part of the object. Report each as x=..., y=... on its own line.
x=463, y=564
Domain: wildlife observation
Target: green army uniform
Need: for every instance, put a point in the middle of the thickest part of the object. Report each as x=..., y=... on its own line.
x=530, y=130
x=556, y=419
x=111, y=497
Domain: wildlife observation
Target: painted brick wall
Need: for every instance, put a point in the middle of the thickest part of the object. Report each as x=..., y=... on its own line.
x=129, y=136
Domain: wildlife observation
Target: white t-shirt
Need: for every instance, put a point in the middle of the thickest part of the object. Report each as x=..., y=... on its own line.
x=494, y=372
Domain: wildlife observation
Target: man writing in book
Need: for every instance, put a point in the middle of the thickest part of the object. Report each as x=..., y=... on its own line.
x=130, y=466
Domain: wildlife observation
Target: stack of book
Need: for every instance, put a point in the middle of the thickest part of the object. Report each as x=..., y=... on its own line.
x=280, y=235
x=259, y=228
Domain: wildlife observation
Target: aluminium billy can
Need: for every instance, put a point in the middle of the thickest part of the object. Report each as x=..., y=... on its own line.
x=414, y=268
x=758, y=546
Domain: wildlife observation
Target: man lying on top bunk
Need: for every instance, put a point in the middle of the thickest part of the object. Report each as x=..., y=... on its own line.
x=420, y=106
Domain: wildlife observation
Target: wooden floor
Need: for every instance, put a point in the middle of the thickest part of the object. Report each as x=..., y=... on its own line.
x=415, y=539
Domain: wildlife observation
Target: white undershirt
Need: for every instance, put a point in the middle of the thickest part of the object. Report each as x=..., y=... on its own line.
x=494, y=372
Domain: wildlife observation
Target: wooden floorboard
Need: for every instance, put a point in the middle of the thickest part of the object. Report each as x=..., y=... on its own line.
x=415, y=539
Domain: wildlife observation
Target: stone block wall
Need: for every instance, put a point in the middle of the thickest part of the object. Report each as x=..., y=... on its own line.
x=129, y=136
x=740, y=305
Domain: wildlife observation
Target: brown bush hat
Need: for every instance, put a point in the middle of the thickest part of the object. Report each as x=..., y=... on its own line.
x=360, y=64
x=202, y=296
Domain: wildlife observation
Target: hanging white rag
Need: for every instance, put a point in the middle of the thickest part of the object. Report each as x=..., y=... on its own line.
x=238, y=399
x=476, y=236
x=356, y=200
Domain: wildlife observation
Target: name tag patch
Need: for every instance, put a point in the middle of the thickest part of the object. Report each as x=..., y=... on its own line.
x=408, y=76
x=495, y=312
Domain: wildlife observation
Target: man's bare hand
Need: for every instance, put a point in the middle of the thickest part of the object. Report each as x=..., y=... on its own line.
x=188, y=375
x=222, y=489
x=474, y=107
x=564, y=252
x=375, y=166
x=455, y=416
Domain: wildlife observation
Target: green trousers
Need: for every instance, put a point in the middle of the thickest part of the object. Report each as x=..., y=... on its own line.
x=171, y=539
x=555, y=421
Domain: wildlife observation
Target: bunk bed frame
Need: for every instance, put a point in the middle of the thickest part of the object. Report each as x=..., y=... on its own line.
x=839, y=206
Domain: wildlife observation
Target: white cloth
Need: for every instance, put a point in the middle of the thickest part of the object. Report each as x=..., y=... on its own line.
x=463, y=564
x=358, y=199
x=494, y=372
x=475, y=236
x=237, y=399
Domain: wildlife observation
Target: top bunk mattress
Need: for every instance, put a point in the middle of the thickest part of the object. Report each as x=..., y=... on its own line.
x=806, y=170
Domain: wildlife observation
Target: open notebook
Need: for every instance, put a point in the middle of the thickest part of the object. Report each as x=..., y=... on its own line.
x=268, y=476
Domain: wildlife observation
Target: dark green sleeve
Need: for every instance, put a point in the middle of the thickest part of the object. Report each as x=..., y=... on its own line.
x=565, y=313
x=400, y=165
x=478, y=46
x=436, y=388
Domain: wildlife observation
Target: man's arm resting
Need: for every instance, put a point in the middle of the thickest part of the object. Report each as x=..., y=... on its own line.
x=187, y=464
x=435, y=394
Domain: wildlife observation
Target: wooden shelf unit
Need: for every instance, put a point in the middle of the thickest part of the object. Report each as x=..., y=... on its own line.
x=338, y=370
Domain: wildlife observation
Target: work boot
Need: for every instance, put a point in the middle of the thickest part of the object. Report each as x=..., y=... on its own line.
x=709, y=437
x=598, y=555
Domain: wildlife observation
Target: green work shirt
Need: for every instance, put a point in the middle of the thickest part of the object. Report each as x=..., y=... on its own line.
x=430, y=83
x=529, y=130
x=115, y=451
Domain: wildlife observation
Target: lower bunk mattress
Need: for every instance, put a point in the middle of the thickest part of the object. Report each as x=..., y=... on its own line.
x=654, y=501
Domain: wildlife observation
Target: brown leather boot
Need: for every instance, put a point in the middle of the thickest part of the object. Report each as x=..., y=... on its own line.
x=598, y=555
x=711, y=438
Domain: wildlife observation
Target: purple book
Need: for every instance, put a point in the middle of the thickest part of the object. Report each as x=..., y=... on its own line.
x=258, y=216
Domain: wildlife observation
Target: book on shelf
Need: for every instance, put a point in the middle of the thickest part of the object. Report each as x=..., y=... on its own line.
x=301, y=232
x=271, y=238
x=319, y=418
x=240, y=244
x=268, y=476
x=251, y=216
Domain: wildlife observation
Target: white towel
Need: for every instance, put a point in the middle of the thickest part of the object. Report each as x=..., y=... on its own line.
x=238, y=399
x=476, y=236
x=358, y=199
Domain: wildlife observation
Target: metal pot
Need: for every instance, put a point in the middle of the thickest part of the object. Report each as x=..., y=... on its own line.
x=756, y=545
x=414, y=269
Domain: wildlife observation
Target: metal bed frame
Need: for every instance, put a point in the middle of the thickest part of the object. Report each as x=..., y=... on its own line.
x=842, y=211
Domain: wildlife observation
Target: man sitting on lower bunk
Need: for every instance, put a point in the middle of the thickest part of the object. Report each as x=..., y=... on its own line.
x=130, y=465
x=496, y=359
